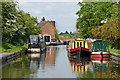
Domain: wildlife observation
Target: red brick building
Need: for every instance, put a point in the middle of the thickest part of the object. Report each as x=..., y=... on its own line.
x=48, y=29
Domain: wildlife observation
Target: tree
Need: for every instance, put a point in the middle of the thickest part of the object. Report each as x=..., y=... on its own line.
x=66, y=32
x=110, y=31
x=9, y=17
x=71, y=33
x=16, y=24
x=90, y=15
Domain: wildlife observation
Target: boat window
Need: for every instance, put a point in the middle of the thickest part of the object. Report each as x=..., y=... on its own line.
x=34, y=39
x=80, y=44
x=77, y=44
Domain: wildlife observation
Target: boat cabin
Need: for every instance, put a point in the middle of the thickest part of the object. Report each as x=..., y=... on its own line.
x=77, y=44
x=36, y=43
x=100, y=46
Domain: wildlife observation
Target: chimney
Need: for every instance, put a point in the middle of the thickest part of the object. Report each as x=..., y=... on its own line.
x=43, y=19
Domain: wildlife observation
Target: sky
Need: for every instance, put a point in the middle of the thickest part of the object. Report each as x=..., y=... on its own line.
x=63, y=13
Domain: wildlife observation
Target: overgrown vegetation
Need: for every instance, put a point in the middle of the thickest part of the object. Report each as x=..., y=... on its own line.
x=7, y=47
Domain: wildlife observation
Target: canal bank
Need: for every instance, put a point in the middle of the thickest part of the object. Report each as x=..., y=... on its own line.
x=55, y=63
x=115, y=57
x=9, y=57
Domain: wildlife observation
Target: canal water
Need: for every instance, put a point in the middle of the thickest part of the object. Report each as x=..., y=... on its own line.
x=55, y=63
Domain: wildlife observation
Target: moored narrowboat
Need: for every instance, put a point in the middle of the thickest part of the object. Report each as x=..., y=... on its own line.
x=36, y=44
x=100, y=50
x=78, y=48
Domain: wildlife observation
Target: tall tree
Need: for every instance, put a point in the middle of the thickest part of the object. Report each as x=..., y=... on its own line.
x=16, y=24
x=110, y=31
x=90, y=15
x=8, y=20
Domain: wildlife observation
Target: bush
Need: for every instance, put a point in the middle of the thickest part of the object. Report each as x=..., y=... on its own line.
x=7, y=45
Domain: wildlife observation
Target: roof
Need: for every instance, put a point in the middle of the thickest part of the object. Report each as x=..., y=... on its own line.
x=42, y=23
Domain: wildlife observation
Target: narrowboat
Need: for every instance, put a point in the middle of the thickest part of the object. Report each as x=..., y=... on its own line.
x=100, y=50
x=36, y=44
x=78, y=48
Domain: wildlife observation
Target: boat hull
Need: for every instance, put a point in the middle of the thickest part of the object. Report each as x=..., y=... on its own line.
x=100, y=54
x=80, y=52
x=98, y=57
x=34, y=50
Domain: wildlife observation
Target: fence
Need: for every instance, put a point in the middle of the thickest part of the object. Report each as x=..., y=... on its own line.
x=6, y=59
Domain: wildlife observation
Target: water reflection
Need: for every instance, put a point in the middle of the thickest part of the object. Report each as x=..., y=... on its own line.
x=100, y=68
x=50, y=56
x=79, y=65
x=55, y=63
x=87, y=67
x=42, y=60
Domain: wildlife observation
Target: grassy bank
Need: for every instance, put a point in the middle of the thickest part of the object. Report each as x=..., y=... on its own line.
x=117, y=51
x=6, y=48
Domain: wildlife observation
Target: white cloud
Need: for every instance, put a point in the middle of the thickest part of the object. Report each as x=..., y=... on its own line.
x=63, y=13
x=37, y=12
x=49, y=7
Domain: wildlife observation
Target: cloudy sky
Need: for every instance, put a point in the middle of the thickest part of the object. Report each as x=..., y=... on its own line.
x=61, y=12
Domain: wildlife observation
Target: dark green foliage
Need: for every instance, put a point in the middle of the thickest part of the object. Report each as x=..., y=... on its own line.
x=110, y=31
x=17, y=25
x=7, y=46
x=90, y=15
x=66, y=32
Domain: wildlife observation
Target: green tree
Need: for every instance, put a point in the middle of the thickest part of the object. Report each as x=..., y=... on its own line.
x=16, y=24
x=90, y=15
x=110, y=31
x=9, y=17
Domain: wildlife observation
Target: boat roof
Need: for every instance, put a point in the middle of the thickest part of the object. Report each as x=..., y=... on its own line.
x=79, y=40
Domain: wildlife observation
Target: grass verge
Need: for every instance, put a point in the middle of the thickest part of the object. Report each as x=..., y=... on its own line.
x=8, y=48
x=117, y=51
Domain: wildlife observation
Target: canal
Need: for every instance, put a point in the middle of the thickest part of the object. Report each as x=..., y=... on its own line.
x=55, y=63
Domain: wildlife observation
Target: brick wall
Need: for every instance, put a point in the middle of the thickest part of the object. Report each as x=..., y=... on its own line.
x=49, y=28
